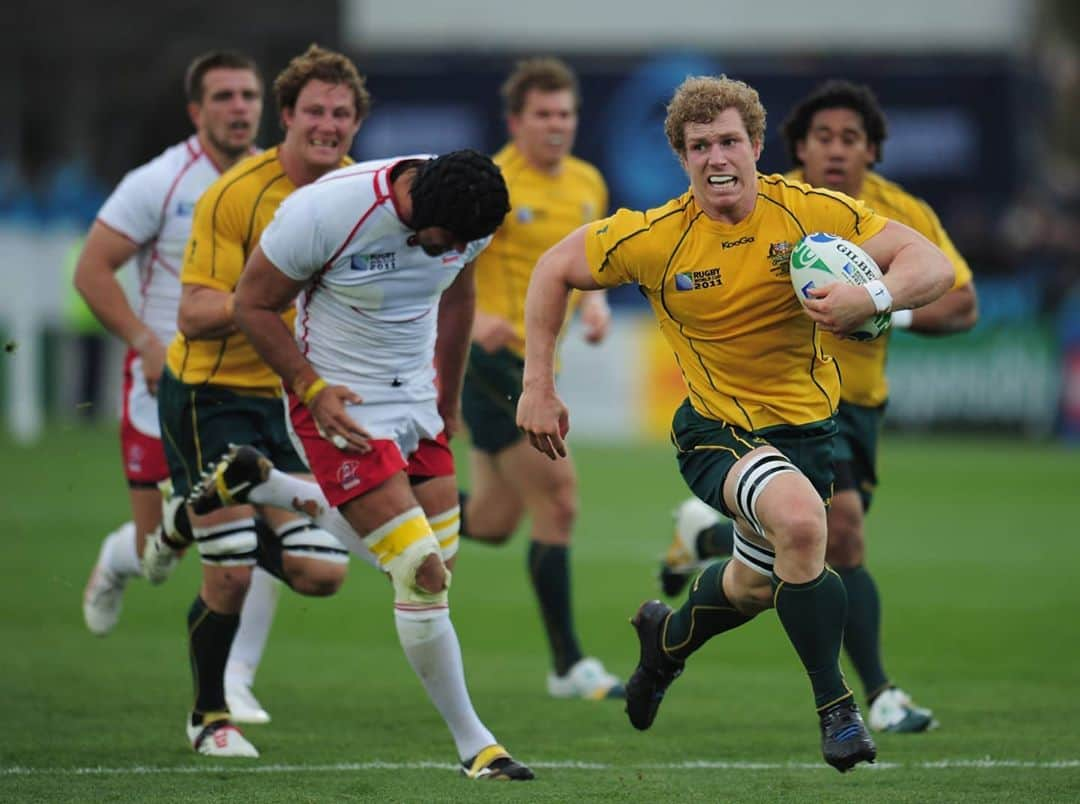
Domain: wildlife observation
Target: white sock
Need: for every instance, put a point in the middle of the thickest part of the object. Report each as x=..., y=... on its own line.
x=282, y=490
x=256, y=617
x=432, y=648
x=120, y=557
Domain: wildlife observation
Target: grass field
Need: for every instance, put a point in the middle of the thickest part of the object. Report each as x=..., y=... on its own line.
x=974, y=543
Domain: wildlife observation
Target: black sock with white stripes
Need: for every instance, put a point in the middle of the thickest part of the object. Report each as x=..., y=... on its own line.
x=706, y=613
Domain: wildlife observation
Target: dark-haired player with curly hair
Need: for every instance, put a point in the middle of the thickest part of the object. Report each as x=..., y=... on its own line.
x=381, y=255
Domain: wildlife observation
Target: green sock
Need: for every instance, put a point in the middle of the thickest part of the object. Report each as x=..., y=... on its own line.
x=862, y=631
x=210, y=636
x=813, y=616
x=716, y=540
x=706, y=613
x=549, y=570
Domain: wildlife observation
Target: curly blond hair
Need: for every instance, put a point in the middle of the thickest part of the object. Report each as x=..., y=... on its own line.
x=699, y=99
x=318, y=63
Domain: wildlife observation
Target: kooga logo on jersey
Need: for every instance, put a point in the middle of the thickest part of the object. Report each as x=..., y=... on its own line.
x=742, y=241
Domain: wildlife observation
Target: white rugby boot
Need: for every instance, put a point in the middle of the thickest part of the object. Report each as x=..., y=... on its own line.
x=587, y=679
x=219, y=739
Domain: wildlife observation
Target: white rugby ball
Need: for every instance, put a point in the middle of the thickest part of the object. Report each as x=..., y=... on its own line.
x=821, y=259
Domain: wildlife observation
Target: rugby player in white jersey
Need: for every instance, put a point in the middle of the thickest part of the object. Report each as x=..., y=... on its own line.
x=380, y=255
x=148, y=217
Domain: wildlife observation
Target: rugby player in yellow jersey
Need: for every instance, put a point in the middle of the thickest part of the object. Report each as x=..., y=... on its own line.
x=836, y=135
x=216, y=389
x=754, y=437
x=552, y=193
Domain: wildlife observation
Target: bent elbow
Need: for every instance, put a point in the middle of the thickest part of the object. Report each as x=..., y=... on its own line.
x=188, y=325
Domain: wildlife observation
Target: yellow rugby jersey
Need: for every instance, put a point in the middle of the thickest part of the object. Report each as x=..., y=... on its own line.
x=723, y=298
x=228, y=221
x=544, y=209
x=862, y=363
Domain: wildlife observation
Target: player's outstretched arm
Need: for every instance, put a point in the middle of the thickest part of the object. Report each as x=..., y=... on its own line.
x=541, y=414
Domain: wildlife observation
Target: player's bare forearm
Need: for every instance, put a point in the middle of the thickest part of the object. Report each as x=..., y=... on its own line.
x=562, y=268
x=916, y=271
x=956, y=311
x=205, y=313
x=104, y=253
x=262, y=293
x=457, y=307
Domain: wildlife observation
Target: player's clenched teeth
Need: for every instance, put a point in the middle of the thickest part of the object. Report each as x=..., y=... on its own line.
x=721, y=180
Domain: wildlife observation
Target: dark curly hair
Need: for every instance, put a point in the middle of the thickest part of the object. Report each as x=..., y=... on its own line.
x=462, y=191
x=836, y=94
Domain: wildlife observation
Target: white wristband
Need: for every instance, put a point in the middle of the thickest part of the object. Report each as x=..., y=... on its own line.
x=879, y=295
x=901, y=319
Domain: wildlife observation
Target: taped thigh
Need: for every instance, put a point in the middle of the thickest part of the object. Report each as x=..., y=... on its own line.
x=401, y=545
x=756, y=475
x=304, y=539
x=229, y=544
x=758, y=558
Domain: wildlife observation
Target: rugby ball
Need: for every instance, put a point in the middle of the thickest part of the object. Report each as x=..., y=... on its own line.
x=820, y=259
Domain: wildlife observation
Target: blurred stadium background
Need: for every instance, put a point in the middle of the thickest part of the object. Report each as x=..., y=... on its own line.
x=974, y=536
x=984, y=109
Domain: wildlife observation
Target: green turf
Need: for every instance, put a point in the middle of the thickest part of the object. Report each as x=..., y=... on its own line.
x=974, y=544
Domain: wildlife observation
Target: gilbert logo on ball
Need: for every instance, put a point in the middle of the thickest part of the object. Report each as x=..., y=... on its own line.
x=821, y=259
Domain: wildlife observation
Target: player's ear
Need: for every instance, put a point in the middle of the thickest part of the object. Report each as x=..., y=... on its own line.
x=194, y=111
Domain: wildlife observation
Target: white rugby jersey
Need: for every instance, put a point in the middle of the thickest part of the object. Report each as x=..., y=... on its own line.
x=153, y=208
x=368, y=317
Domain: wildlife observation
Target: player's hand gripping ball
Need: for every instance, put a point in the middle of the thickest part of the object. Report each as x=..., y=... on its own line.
x=820, y=259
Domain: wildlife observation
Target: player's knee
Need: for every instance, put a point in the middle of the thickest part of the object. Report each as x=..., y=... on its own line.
x=224, y=588
x=799, y=527
x=497, y=537
x=846, y=547
x=227, y=551
x=431, y=575
x=314, y=578
x=845, y=552
x=407, y=549
x=558, y=512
